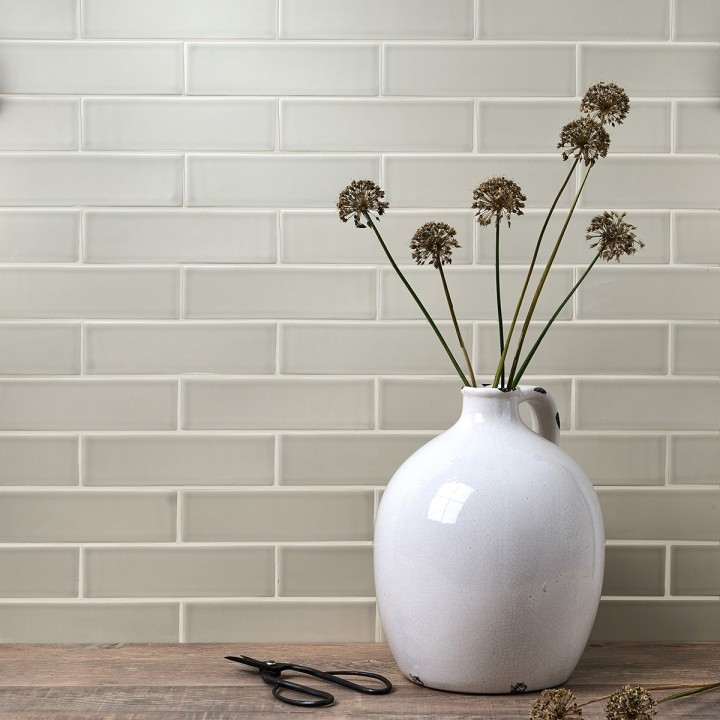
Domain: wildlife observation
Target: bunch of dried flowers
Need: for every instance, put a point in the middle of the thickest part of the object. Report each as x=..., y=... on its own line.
x=630, y=702
x=499, y=198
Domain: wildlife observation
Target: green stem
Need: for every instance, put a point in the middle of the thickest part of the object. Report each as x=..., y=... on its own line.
x=457, y=327
x=703, y=688
x=457, y=367
x=543, y=278
x=498, y=298
x=501, y=364
x=698, y=688
x=534, y=348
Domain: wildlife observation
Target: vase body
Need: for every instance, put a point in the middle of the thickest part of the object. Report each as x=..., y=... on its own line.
x=489, y=552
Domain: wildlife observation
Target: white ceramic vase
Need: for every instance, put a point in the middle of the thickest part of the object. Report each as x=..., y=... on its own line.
x=489, y=552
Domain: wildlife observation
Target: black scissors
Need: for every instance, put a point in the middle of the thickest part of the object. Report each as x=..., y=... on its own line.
x=271, y=673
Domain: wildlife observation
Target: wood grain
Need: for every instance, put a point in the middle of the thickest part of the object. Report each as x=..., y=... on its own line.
x=194, y=682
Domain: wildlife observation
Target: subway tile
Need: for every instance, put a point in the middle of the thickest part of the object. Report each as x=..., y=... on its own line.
x=468, y=69
x=280, y=293
x=695, y=237
x=367, y=349
x=92, y=68
x=618, y=459
x=472, y=290
x=695, y=349
x=577, y=348
x=318, y=236
x=695, y=570
x=188, y=19
x=573, y=20
x=39, y=572
x=85, y=292
x=281, y=69
x=653, y=513
x=342, y=459
x=60, y=179
x=647, y=404
x=39, y=460
x=517, y=245
x=376, y=125
x=326, y=571
x=278, y=404
x=696, y=20
x=533, y=126
x=662, y=70
x=436, y=404
x=172, y=348
x=650, y=294
x=694, y=459
x=51, y=19
x=78, y=516
x=185, y=236
x=286, y=621
x=448, y=182
x=84, y=404
x=39, y=236
x=178, y=124
x=375, y=19
x=657, y=621
x=26, y=349
x=179, y=572
x=84, y=622
x=697, y=127
x=39, y=124
x=277, y=515
x=179, y=459
x=655, y=182
x=634, y=570
x=273, y=180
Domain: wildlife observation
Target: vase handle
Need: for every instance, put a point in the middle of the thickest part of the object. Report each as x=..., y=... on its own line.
x=545, y=411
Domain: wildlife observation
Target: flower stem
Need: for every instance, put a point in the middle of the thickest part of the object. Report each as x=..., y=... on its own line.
x=701, y=689
x=543, y=278
x=696, y=688
x=501, y=364
x=457, y=327
x=457, y=367
x=534, y=348
x=498, y=298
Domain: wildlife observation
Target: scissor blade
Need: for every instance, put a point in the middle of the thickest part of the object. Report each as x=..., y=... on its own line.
x=245, y=660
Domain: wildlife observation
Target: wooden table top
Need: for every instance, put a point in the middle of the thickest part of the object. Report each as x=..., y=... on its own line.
x=194, y=682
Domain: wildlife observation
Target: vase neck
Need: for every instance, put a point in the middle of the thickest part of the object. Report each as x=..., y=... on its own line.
x=489, y=405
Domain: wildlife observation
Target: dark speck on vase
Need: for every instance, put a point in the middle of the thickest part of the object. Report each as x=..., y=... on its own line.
x=518, y=688
x=557, y=419
x=417, y=680
x=540, y=390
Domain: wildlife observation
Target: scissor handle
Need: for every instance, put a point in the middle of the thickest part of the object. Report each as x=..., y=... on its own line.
x=334, y=677
x=323, y=698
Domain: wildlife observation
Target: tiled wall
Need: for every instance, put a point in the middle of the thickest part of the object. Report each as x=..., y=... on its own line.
x=207, y=378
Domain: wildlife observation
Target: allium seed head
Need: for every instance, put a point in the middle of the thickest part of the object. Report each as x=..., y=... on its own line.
x=630, y=703
x=585, y=138
x=613, y=236
x=359, y=198
x=496, y=198
x=434, y=242
x=606, y=102
x=556, y=704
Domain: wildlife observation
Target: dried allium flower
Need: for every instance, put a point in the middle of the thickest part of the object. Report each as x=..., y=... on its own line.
x=606, y=102
x=434, y=241
x=615, y=237
x=358, y=198
x=555, y=705
x=630, y=703
x=585, y=138
x=497, y=197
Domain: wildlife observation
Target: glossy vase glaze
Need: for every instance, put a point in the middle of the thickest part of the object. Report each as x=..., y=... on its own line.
x=489, y=552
